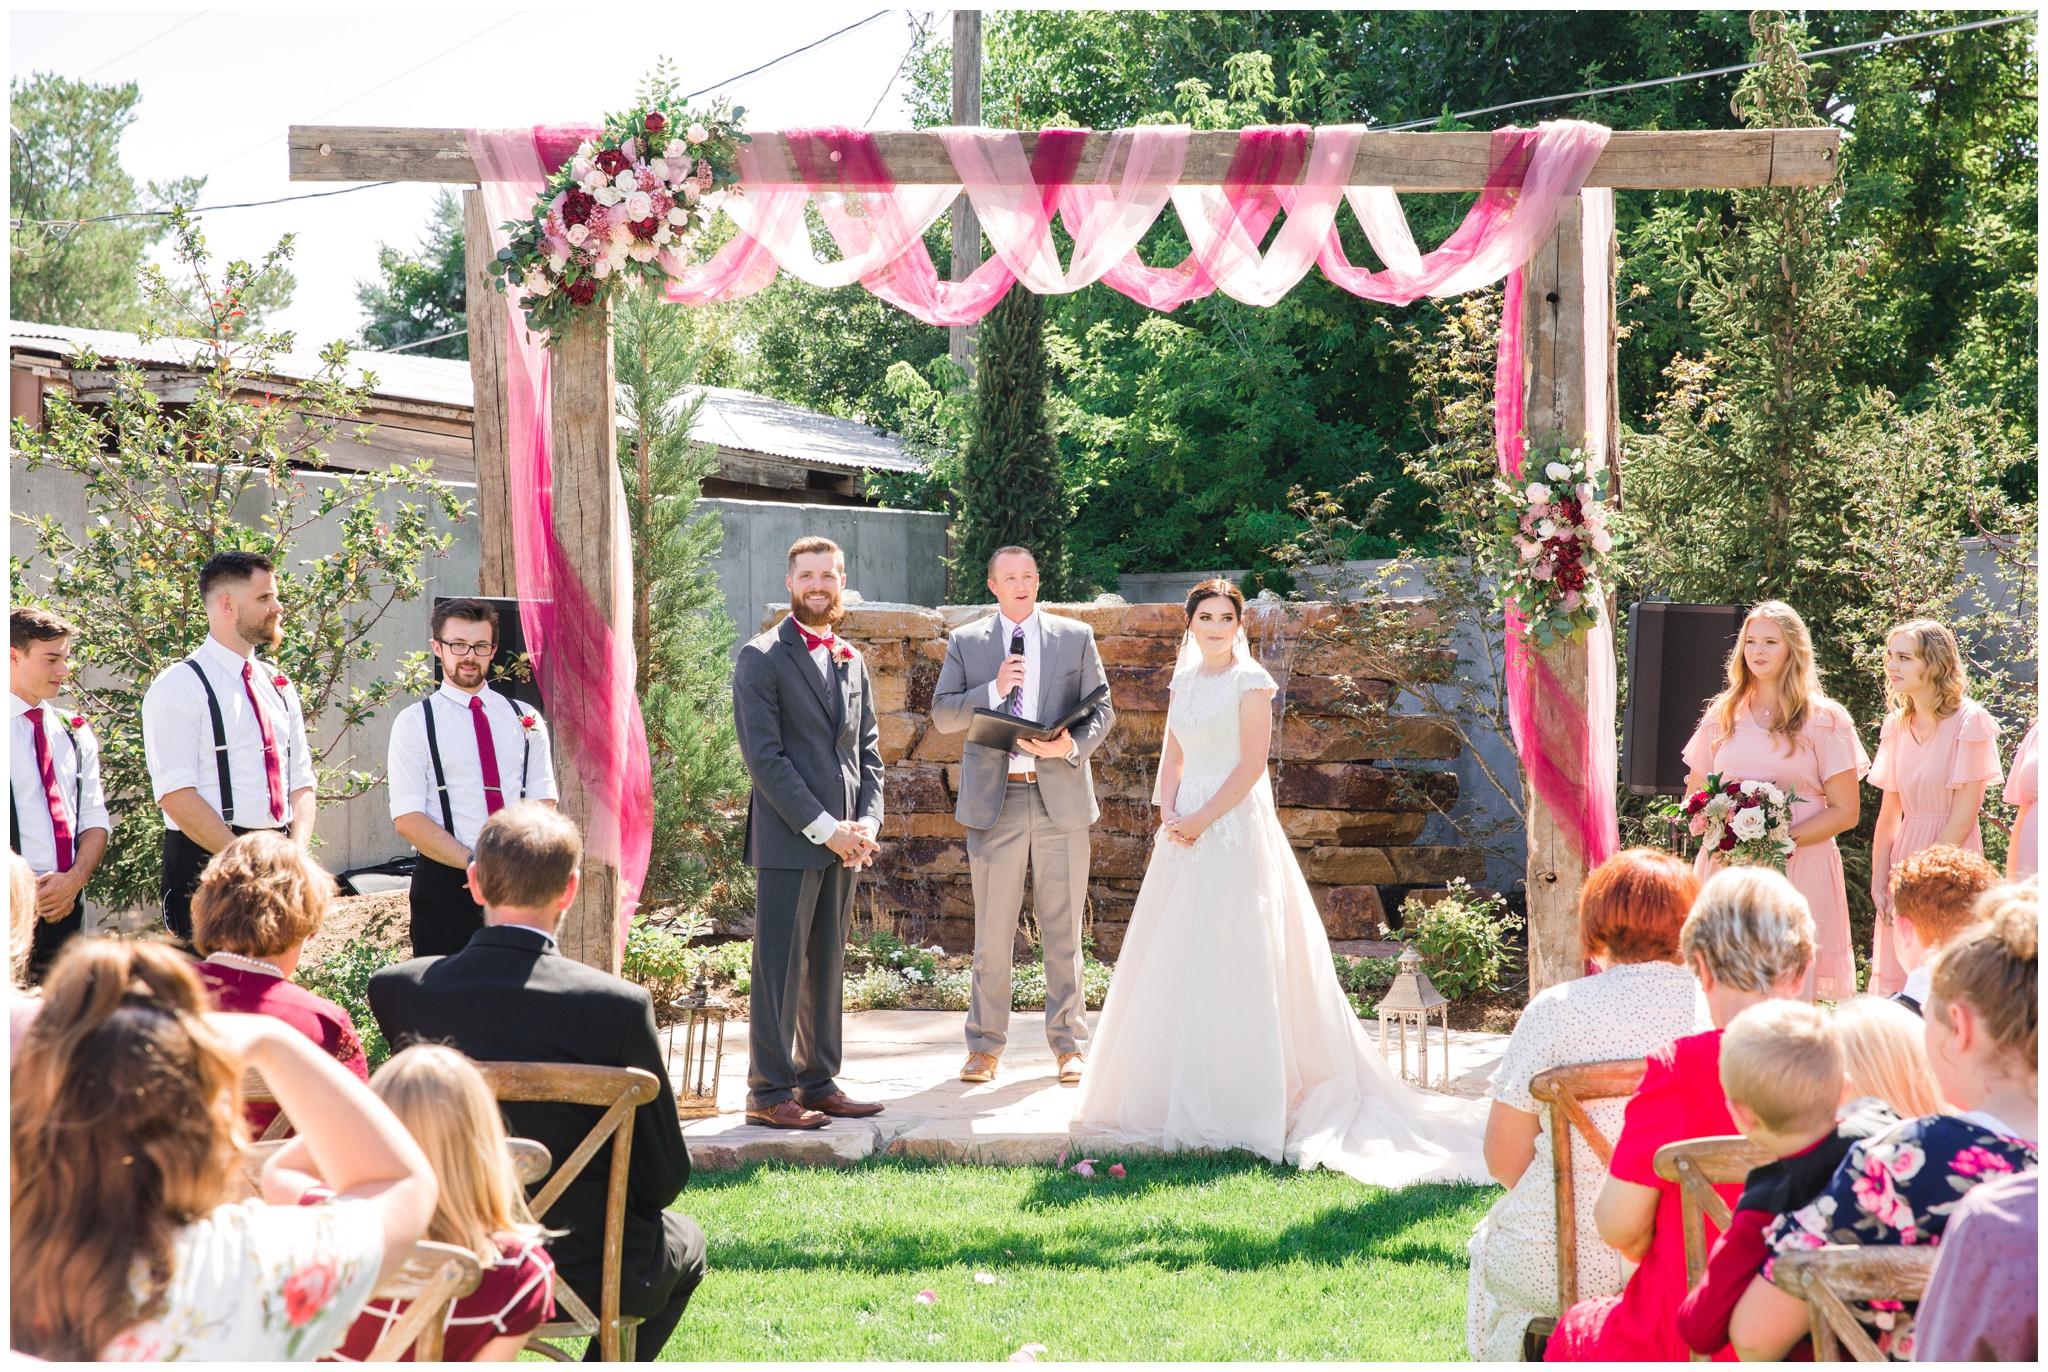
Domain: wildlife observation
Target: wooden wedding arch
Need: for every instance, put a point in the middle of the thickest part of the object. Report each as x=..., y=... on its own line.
x=1559, y=400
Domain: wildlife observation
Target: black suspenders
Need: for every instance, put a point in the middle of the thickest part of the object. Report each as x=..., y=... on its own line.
x=441, y=774
x=220, y=744
x=77, y=792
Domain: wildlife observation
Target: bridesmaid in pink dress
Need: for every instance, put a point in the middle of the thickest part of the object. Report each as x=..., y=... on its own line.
x=2023, y=793
x=1774, y=723
x=1936, y=757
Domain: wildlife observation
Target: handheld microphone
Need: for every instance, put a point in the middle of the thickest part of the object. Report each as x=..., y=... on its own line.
x=1016, y=692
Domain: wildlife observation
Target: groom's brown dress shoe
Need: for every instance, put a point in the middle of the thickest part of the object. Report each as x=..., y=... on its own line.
x=787, y=1114
x=841, y=1106
x=1070, y=1069
x=980, y=1067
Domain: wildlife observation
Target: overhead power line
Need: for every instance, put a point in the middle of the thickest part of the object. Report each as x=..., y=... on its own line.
x=143, y=44
x=422, y=342
x=793, y=52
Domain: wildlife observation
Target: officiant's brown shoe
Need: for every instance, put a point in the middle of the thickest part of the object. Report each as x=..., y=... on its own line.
x=841, y=1106
x=980, y=1067
x=787, y=1114
x=1070, y=1069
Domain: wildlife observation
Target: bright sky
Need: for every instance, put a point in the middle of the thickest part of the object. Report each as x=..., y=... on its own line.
x=220, y=86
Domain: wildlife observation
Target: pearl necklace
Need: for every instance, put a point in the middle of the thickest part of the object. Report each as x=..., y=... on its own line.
x=246, y=964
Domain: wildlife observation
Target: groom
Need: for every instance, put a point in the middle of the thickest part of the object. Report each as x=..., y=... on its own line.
x=1027, y=812
x=806, y=723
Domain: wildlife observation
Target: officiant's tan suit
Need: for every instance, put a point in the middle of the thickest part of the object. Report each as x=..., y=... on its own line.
x=1026, y=815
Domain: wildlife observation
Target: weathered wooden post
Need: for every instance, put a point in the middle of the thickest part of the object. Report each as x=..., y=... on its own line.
x=486, y=308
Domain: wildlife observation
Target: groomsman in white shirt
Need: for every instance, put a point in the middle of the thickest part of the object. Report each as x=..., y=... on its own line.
x=457, y=758
x=223, y=733
x=56, y=812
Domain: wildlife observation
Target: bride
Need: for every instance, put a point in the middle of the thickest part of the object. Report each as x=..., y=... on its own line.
x=1225, y=1026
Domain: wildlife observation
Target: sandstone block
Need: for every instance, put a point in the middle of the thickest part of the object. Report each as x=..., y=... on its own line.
x=1127, y=817
x=932, y=648
x=878, y=621
x=1350, y=829
x=1141, y=731
x=1357, y=657
x=891, y=691
x=899, y=735
x=1353, y=912
x=1167, y=621
x=928, y=824
x=1121, y=777
x=1140, y=688
x=913, y=789
x=1361, y=786
x=937, y=746
x=954, y=616
x=1118, y=855
x=1328, y=738
x=953, y=773
x=1127, y=650
x=930, y=856
x=720, y=1144
x=903, y=892
x=889, y=655
x=924, y=677
x=1391, y=866
x=1310, y=694
x=1103, y=619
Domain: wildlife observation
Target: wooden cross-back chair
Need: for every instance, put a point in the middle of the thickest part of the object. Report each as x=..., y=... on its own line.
x=621, y=1091
x=1563, y=1092
x=1698, y=1166
x=434, y=1277
x=1828, y=1279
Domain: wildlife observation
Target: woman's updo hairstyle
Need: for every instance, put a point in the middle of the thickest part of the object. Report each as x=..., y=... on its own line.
x=1214, y=587
x=1994, y=968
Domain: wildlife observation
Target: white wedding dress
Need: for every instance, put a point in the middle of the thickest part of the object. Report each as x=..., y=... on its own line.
x=1225, y=1026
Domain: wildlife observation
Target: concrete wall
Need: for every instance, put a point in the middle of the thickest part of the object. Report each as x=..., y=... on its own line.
x=891, y=555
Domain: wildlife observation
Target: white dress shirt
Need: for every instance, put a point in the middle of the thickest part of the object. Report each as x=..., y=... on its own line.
x=177, y=736
x=410, y=768
x=78, y=782
x=824, y=826
x=1023, y=764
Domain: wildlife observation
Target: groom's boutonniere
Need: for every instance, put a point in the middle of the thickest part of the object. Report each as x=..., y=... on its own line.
x=530, y=723
x=842, y=653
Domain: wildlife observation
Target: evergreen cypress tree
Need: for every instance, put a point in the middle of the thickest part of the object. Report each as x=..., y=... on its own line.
x=681, y=633
x=1012, y=490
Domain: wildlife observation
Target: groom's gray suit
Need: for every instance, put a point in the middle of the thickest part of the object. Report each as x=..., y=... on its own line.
x=1016, y=827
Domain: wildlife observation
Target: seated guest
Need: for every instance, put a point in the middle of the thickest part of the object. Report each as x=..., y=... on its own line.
x=1934, y=898
x=1629, y=916
x=22, y=1004
x=1748, y=939
x=1983, y=1303
x=447, y=1107
x=259, y=900
x=1884, y=1053
x=127, y=1242
x=509, y=996
x=1783, y=1069
x=1901, y=1186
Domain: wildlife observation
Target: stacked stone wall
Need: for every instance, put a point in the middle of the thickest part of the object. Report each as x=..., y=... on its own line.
x=1350, y=798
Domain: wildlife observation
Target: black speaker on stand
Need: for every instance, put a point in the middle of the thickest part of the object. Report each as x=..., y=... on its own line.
x=511, y=643
x=1677, y=662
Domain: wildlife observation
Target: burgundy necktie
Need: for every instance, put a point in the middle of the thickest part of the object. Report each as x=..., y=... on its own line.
x=60, y=823
x=487, y=753
x=273, y=773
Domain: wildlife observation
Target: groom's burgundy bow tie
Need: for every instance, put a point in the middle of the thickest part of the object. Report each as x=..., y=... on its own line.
x=812, y=642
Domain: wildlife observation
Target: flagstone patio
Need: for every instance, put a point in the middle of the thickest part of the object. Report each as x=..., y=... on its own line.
x=910, y=1060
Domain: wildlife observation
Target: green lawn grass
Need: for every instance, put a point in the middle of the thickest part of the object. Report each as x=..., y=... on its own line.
x=1210, y=1258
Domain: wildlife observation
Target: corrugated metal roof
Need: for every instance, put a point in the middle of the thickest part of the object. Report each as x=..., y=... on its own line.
x=400, y=376
x=752, y=423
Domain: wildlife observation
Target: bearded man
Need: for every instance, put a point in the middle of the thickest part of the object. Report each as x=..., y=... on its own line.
x=806, y=723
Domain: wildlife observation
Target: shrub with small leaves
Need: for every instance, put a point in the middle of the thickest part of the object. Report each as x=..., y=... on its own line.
x=344, y=978
x=1466, y=939
x=659, y=957
x=733, y=965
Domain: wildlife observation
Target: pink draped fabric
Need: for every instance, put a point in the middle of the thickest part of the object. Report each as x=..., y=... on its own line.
x=585, y=670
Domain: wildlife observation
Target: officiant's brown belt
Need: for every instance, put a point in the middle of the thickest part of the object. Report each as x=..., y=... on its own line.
x=1028, y=778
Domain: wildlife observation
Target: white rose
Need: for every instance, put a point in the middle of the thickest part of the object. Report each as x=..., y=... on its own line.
x=639, y=205
x=1530, y=551
x=601, y=268
x=1748, y=824
x=1749, y=788
x=577, y=233
x=606, y=195
x=659, y=168
x=662, y=235
x=642, y=251
x=581, y=169
x=1773, y=794
x=689, y=192
x=559, y=262
x=1602, y=540
x=1557, y=471
x=538, y=286
x=627, y=181
x=1546, y=528
x=697, y=133
x=1538, y=493
x=679, y=215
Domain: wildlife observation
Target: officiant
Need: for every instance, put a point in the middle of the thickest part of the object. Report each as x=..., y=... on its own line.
x=1027, y=809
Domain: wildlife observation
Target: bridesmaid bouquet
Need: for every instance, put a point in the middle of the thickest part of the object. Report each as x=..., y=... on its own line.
x=1749, y=823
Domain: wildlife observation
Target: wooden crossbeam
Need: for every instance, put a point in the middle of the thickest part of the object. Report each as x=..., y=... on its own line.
x=1710, y=159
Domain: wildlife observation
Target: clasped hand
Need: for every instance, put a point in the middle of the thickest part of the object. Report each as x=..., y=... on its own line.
x=851, y=842
x=1181, y=829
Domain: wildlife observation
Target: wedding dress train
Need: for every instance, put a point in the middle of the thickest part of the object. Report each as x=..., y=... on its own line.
x=1225, y=1026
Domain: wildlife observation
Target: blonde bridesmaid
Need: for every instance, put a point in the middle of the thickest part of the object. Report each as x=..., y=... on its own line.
x=1774, y=723
x=1936, y=756
x=2023, y=793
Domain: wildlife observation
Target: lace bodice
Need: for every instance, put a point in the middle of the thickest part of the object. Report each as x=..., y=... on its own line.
x=1203, y=718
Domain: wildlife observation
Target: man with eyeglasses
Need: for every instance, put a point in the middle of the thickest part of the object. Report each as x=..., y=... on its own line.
x=457, y=758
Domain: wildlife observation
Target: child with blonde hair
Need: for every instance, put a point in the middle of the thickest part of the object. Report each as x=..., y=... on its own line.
x=1884, y=1051
x=1786, y=1074
x=447, y=1107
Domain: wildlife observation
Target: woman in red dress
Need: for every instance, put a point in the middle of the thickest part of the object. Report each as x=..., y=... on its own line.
x=1749, y=939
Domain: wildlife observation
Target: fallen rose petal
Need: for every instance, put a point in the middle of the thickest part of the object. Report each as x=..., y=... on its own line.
x=1116, y=1169
x=1083, y=1170
x=985, y=1278
x=926, y=1297
x=1060, y=1161
x=1028, y=1353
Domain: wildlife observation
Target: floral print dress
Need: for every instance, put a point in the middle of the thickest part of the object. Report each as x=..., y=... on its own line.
x=259, y=1283
x=1900, y=1188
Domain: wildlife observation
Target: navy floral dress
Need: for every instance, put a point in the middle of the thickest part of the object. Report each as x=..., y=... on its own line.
x=1900, y=1188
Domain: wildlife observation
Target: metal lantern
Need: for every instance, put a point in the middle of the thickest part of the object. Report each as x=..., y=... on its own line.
x=700, y=1023
x=1412, y=1002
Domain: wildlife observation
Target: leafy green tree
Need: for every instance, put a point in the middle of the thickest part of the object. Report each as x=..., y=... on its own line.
x=1011, y=487
x=423, y=294
x=682, y=634
x=66, y=169
x=168, y=486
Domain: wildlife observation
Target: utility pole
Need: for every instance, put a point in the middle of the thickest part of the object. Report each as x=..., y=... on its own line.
x=966, y=228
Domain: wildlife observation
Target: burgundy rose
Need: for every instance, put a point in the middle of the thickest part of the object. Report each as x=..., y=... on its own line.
x=576, y=206
x=656, y=121
x=1571, y=511
x=1733, y=788
x=644, y=228
x=583, y=289
x=611, y=161
x=1727, y=841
